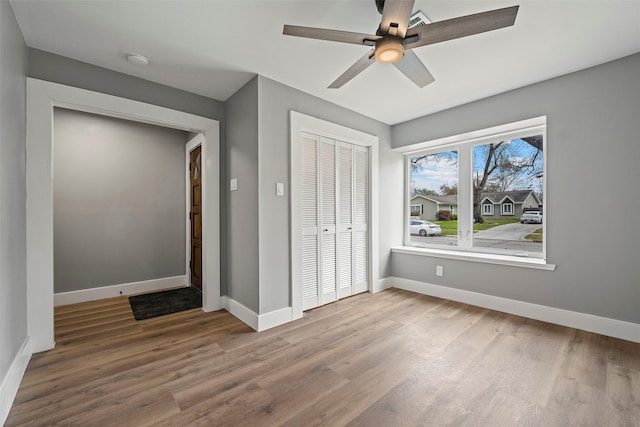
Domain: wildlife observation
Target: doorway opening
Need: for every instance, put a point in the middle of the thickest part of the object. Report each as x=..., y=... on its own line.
x=118, y=207
x=42, y=97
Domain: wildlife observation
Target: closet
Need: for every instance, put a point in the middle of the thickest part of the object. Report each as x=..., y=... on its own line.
x=334, y=219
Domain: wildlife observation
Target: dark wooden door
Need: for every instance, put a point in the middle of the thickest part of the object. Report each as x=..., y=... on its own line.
x=195, y=169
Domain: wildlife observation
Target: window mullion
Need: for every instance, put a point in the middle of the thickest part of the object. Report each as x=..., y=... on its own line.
x=465, y=197
x=407, y=202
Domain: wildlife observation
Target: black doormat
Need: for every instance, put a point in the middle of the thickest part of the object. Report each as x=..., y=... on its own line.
x=165, y=302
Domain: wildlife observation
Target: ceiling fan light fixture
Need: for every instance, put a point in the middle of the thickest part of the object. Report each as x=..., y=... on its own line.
x=389, y=50
x=399, y=30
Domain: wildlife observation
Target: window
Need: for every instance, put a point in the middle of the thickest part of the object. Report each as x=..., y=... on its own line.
x=434, y=176
x=507, y=208
x=416, y=210
x=491, y=177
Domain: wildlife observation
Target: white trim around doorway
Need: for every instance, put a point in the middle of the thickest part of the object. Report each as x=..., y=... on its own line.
x=42, y=97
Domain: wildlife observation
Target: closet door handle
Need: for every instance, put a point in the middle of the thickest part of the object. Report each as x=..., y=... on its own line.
x=348, y=228
x=325, y=230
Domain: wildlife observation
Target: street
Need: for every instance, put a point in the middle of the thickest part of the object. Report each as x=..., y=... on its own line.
x=509, y=236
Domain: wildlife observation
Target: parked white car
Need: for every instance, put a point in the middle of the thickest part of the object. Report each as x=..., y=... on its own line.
x=531, y=217
x=425, y=228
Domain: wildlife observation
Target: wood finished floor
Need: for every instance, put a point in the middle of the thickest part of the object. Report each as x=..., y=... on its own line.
x=389, y=359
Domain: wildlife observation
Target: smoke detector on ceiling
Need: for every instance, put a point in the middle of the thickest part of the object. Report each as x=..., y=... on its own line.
x=137, y=59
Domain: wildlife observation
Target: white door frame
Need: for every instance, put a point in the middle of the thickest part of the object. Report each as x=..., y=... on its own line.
x=42, y=97
x=304, y=123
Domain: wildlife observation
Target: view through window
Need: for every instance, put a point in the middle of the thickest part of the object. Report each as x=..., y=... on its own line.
x=434, y=198
x=483, y=197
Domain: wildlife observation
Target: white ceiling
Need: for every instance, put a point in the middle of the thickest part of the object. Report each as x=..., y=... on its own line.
x=214, y=47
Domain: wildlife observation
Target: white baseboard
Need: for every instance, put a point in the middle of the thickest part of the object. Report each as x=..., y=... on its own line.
x=275, y=318
x=573, y=319
x=243, y=313
x=257, y=322
x=84, y=295
x=11, y=382
x=382, y=284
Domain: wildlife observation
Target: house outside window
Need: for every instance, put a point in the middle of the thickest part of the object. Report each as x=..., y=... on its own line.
x=507, y=208
x=481, y=171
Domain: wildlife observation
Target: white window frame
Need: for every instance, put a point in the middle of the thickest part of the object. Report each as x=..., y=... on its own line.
x=506, y=212
x=464, y=143
x=421, y=208
x=490, y=211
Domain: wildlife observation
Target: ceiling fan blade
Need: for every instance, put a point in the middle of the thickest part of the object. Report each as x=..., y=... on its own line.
x=331, y=35
x=414, y=69
x=395, y=17
x=463, y=26
x=360, y=65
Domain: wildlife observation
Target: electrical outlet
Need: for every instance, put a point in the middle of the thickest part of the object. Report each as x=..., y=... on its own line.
x=439, y=270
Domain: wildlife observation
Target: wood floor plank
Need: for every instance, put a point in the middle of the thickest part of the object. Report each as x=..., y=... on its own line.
x=90, y=317
x=362, y=391
x=622, y=407
x=385, y=359
x=505, y=409
x=228, y=372
x=145, y=408
x=230, y=407
x=296, y=393
x=83, y=307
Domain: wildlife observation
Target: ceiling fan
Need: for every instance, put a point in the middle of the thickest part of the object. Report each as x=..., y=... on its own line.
x=394, y=41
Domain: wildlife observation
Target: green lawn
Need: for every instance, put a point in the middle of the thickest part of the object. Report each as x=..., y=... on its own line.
x=535, y=236
x=450, y=228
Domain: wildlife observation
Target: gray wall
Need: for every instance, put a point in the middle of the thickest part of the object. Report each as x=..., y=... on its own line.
x=592, y=154
x=241, y=206
x=13, y=291
x=59, y=69
x=245, y=260
x=258, y=237
x=119, y=201
x=276, y=101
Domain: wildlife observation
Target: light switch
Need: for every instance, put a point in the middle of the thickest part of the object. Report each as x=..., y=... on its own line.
x=279, y=189
x=234, y=184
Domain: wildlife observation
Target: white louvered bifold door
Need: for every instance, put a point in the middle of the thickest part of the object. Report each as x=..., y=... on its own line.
x=334, y=216
x=328, y=246
x=361, y=220
x=345, y=219
x=309, y=220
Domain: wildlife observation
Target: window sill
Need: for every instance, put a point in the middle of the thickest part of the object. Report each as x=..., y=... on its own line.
x=509, y=260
